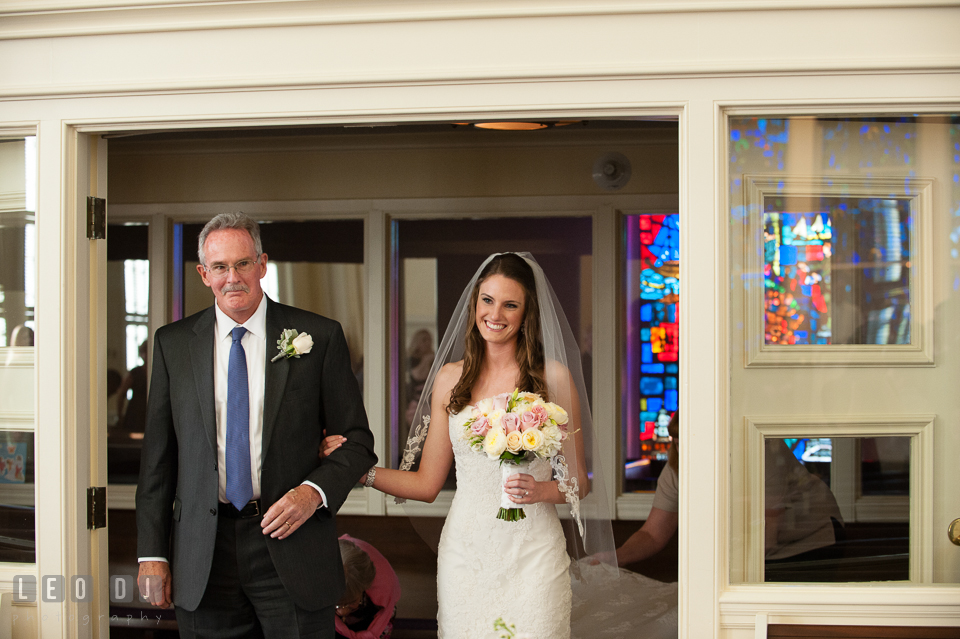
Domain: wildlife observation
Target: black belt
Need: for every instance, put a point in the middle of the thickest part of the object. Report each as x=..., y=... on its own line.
x=252, y=509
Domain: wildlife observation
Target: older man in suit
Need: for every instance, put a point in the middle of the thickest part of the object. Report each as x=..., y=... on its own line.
x=233, y=496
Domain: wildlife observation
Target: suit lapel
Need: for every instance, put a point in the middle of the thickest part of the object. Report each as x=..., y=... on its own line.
x=202, y=355
x=275, y=378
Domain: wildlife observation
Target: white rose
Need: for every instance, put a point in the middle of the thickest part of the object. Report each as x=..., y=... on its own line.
x=532, y=439
x=495, y=417
x=515, y=442
x=302, y=344
x=556, y=413
x=495, y=443
x=485, y=406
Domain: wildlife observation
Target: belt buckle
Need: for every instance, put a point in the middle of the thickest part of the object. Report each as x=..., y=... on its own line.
x=256, y=508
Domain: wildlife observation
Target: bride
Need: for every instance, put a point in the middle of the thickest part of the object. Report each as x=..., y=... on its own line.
x=508, y=333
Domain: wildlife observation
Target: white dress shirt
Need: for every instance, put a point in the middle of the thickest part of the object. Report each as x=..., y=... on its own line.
x=254, y=344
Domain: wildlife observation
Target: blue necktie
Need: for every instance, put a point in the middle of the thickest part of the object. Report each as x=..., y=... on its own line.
x=239, y=486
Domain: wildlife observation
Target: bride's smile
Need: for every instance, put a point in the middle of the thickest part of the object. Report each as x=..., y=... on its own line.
x=500, y=309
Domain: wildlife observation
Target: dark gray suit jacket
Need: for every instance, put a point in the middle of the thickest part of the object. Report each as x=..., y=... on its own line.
x=177, y=494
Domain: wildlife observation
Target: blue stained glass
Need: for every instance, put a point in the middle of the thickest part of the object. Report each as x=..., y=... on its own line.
x=646, y=353
x=788, y=255
x=651, y=386
x=886, y=128
x=864, y=129
x=652, y=369
x=670, y=398
x=670, y=382
x=735, y=135
x=648, y=416
x=801, y=335
x=906, y=158
x=654, y=404
x=646, y=312
x=806, y=290
x=672, y=369
x=644, y=334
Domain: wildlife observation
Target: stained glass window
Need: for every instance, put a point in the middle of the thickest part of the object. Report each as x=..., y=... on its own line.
x=652, y=344
x=837, y=274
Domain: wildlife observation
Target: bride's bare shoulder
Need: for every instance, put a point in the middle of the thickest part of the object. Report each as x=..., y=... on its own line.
x=449, y=375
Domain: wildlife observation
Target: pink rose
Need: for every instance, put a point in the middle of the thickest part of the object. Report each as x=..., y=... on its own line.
x=541, y=413
x=510, y=423
x=528, y=420
x=480, y=427
x=500, y=402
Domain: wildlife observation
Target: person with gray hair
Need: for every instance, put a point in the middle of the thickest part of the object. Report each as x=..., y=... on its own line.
x=236, y=515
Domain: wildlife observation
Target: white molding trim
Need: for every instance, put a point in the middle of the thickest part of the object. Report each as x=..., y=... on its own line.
x=121, y=497
x=919, y=427
x=17, y=357
x=17, y=420
x=439, y=508
x=13, y=202
x=882, y=508
x=879, y=604
x=919, y=192
x=59, y=18
x=634, y=506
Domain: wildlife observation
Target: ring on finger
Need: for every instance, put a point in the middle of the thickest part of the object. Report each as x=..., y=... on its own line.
x=288, y=524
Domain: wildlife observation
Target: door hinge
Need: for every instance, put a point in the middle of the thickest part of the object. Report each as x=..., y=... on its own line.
x=96, y=507
x=96, y=218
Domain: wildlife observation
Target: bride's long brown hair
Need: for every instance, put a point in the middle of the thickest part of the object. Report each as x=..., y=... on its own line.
x=529, y=343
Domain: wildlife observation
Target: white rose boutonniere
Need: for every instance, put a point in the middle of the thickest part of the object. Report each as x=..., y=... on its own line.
x=293, y=343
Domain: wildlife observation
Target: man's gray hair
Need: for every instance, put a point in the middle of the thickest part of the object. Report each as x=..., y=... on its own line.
x=236, y=220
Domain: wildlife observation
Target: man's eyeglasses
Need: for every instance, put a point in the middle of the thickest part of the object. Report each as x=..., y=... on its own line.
x=243, y=267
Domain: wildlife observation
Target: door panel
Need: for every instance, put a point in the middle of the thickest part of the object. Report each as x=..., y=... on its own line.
x=844, y=273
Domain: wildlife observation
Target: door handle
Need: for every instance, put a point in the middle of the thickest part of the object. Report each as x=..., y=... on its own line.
x=953, y=532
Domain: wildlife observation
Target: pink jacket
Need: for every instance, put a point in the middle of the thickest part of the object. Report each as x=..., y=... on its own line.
x=384, y=592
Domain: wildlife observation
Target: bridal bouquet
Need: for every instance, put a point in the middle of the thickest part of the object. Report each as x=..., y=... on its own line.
x=516, y=428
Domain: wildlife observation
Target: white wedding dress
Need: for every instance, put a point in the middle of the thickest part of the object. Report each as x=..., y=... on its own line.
x=489, y=568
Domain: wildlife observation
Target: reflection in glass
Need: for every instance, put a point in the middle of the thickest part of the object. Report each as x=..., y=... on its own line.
x=18, y=206
x=806, y=538
x=128, y=317
x=433, y=259
x=17, y=522
x=837, y=274
x=17, y=241
x=651, y=346
x=885, y=466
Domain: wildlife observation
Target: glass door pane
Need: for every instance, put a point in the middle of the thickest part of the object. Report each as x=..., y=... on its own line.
x=18, y=206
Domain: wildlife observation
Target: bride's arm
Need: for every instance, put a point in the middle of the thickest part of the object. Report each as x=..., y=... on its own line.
x=425, y=483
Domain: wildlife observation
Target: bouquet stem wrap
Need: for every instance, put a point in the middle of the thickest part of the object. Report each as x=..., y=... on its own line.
x=510, y=510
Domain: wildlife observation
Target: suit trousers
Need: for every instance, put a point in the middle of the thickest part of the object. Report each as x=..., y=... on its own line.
x=244, y=595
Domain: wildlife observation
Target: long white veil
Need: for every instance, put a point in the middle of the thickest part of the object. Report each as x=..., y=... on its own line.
x=586, y=520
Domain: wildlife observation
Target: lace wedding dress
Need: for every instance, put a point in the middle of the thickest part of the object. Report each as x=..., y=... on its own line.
x=489, y=568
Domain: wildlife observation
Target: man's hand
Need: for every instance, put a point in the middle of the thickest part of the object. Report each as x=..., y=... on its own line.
x=156, y=583
x=290, y=511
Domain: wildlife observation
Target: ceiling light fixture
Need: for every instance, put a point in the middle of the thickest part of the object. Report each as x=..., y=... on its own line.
x=517, y=126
